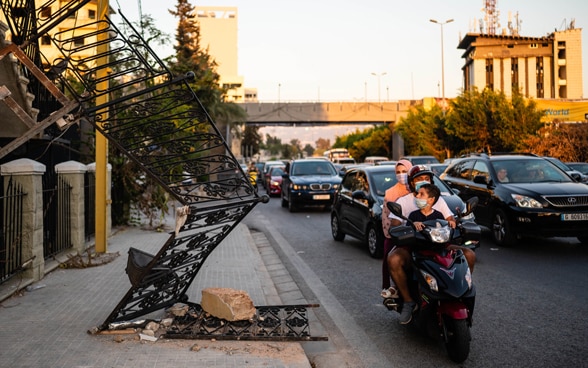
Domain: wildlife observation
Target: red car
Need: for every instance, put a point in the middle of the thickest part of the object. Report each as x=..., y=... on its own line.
x=274, y=186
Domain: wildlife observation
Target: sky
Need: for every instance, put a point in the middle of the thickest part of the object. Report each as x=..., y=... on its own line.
x=388, y=50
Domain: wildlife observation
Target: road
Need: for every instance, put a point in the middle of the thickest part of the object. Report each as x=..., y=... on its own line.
x=531, y=308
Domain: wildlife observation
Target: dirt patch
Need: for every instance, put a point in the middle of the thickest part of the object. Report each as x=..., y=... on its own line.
x=88, y=260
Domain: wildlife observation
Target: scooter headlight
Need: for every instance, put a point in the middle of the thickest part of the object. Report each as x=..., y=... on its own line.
x=431, y=281
x=440, y=234
x=468, y=277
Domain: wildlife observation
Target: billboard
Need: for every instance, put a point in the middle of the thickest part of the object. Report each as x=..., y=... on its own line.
x=570, y=111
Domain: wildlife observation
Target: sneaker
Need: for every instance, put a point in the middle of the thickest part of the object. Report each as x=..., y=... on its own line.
x=390, y=293
x=407, y=310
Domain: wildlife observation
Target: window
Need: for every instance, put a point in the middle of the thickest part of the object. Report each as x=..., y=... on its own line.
x=480, y=168
x=539, y=77
x=514, y=73
x=92, y=14
x=490, y=74
x=46, y=40
x=348, y=184
x=461, y=170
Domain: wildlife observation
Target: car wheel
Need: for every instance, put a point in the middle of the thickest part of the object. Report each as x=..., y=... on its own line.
x=338, y=235
x=501, y=229
x=375, y=242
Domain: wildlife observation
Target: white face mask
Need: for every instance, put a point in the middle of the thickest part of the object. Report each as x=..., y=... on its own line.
x=420, y=203
x=402, y=178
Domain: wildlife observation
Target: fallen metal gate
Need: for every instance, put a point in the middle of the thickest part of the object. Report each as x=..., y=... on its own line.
x=155, y=119
x=277, y=322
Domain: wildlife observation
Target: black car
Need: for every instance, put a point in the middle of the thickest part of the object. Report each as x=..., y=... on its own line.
x=309, y=182
x=536, y=197
x=357, y=210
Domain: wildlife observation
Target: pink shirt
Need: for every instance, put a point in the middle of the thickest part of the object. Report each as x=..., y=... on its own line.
x=392, y=194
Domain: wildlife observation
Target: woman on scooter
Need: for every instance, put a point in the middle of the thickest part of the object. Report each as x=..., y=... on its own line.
x=396, y=191
x=399, y=257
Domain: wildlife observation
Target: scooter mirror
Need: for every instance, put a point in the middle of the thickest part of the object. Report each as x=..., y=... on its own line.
x=395, y=208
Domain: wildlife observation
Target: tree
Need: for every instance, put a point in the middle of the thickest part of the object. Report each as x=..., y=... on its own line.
x=309, y=150
x=273, y=145
x=191, y=57
x=423, y=132
x=488, y=121
x=567, y=142
x=251, y=141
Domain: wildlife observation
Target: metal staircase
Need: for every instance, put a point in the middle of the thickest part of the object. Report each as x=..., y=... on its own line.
x=128, y=94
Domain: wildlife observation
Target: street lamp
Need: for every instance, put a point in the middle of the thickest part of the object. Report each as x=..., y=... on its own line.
x=379, y=76
x=442, y=61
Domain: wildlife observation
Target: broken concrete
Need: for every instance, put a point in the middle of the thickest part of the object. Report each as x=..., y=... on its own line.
x=229, y=304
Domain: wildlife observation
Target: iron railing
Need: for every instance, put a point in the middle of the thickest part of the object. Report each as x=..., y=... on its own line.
x=11, y=219
x=56, y=215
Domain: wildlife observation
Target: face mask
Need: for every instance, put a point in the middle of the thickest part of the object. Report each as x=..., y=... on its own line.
x=402, y=178
x=420, y=203
x=418, y=185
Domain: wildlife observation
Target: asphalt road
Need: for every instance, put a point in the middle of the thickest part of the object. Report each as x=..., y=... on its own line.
x=531, y=306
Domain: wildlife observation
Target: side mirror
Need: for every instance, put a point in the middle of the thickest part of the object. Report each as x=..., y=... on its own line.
x=395, y=208
x=470, y=205
x=481, y=179
x=359, y=194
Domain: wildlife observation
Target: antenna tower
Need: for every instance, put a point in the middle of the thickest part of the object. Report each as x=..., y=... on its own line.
x=491, y=16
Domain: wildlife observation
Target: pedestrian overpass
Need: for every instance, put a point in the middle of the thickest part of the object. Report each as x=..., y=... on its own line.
x=325, y=113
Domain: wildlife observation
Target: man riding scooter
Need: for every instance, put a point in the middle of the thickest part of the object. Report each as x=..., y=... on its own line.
x=399, y=257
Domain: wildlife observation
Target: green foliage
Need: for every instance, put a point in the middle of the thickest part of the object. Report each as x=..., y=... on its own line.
x=567, y=142
x=489, y=121
x=251, y=140
x=423, y=132
x=273, y=145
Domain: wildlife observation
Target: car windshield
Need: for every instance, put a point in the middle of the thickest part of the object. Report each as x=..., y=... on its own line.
x=313, y=168
x=277, y=171
x=529, y=171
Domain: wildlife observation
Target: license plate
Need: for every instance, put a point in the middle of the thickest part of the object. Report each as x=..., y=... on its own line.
x=320, y=197
x=574, y=217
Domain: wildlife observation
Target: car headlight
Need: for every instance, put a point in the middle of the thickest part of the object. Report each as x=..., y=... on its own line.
x=275, y=183
x=440, y=234
x=430, y=280
x=335, y=186
x=526, y=202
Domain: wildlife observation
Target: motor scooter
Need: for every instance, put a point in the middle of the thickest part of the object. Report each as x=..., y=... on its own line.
x=440, y=281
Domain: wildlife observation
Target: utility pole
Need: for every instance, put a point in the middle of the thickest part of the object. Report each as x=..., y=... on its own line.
x=442, y=61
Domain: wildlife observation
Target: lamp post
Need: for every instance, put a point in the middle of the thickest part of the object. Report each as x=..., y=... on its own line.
x=442, y=61
x=379, y=75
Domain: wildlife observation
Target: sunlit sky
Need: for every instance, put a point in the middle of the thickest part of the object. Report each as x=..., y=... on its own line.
x=326, y=50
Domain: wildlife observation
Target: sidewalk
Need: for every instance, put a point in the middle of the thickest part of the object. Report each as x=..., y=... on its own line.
x=47, y=326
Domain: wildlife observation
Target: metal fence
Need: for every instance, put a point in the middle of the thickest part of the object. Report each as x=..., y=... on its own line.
x=56, y=214
x=11, y=219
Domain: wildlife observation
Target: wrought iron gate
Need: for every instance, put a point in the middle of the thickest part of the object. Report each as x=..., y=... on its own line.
x=156, y=119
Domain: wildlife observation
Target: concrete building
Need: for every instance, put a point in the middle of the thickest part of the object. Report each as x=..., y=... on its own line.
x=548, y=67
x=219, y=34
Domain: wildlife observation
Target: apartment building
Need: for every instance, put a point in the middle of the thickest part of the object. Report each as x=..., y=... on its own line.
x=219, y=33
x=548, y=67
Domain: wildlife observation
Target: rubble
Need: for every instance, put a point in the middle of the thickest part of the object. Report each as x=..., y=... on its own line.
x=228, y=304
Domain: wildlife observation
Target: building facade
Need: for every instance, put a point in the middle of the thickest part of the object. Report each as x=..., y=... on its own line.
x=548, y=67
x=219, y=34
